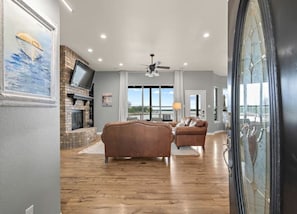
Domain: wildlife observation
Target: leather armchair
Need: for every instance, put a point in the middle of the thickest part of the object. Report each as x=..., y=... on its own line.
x=193, y=134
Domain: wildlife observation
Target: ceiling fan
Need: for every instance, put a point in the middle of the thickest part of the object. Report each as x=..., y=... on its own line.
x=152, y=68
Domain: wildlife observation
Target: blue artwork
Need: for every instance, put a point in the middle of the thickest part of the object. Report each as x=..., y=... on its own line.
x=27, y=53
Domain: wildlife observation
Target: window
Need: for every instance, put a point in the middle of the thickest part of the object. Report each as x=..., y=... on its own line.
x=150, y=102
x=215, y=103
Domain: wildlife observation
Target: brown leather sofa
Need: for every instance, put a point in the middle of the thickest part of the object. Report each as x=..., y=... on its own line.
x=192, y=133
x=137, y=139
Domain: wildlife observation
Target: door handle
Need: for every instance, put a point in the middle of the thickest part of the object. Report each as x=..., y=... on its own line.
x=228, y=163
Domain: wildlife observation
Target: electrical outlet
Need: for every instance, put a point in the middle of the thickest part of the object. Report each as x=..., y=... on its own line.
x=30, y=210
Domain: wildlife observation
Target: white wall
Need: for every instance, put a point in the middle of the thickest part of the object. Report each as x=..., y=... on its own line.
x=30, y=147
x=193, y=80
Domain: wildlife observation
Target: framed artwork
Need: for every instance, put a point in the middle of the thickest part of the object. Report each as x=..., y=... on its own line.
x=27, y=46
x=107, y=100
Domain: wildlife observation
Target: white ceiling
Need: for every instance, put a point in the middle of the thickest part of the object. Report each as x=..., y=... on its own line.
x=171, y=29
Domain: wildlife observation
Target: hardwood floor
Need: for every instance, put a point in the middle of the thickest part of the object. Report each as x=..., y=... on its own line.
x=189, y=184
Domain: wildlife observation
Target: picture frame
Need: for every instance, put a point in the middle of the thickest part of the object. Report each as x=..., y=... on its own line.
x=107, y=100
x=27, y=61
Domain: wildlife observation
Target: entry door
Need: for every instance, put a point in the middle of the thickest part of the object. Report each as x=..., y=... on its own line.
x=198, y=107
x=253, y=83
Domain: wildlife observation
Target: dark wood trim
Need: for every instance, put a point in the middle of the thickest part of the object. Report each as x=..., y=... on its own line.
x=275, y=106
x=234, y=103
x=233, y=6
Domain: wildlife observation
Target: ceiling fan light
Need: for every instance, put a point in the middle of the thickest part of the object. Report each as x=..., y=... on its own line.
x=151, y=69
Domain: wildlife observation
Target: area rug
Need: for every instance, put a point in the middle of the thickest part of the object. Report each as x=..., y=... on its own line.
x=98, y=148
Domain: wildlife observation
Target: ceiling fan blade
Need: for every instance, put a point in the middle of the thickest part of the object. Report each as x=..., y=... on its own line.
x=163, y=67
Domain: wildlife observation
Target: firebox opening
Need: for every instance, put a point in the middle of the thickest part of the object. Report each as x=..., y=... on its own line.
x=77, y=119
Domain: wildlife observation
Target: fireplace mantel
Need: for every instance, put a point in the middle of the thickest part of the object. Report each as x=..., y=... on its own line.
x=79, y=97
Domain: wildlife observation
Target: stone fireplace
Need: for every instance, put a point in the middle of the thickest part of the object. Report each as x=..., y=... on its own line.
x=74, y=106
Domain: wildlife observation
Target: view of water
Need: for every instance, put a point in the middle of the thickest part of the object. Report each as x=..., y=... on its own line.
x=27, y=76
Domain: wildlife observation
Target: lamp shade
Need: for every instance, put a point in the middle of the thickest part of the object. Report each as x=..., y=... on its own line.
x=176, y=105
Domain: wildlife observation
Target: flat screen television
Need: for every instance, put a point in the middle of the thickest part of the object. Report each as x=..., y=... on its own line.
x=82, y=76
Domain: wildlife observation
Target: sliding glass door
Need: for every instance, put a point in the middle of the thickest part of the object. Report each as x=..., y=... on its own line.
x=150, y=103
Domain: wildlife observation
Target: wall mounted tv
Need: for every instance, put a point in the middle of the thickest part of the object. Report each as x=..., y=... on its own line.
x=82, y=76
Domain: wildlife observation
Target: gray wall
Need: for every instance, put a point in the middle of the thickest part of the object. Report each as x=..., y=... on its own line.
x=193, y=80
x=29, y=146
x=106, y=82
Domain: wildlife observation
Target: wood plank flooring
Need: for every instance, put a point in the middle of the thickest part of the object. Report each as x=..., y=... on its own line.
x=189, y=184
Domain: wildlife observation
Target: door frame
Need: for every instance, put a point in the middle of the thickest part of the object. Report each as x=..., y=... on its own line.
x=274, y=91
x=201, y=93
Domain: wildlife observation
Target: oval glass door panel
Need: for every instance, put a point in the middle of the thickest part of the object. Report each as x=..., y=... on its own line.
x=254, y=116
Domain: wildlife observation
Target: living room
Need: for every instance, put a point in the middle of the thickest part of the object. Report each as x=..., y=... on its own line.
x=30, y=133
x=30, y=155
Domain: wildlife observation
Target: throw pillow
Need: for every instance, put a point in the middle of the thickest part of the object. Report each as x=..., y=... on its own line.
x=187, y=121
x=200, y=123
x=192, y=123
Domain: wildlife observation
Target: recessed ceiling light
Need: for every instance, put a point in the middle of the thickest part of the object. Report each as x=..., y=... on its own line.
x=121, y=64
x=100, y=59
x=103, y=36
x=185, y=64
x=206, y=35
x=90, y=50
x=67, y=5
